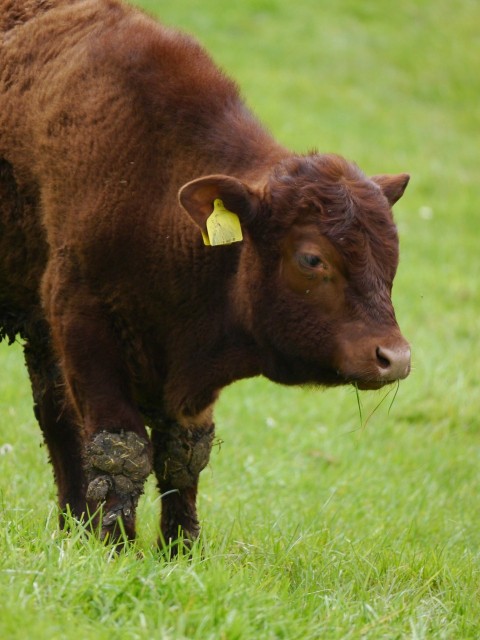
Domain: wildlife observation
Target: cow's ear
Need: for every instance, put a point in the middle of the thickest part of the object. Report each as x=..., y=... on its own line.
x=198, y=198
x=392, y=186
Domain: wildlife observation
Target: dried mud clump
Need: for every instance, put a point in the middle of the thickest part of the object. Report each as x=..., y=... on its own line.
x=117, y=465
x=184, y=453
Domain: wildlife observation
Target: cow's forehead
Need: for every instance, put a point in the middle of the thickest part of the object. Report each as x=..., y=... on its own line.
x=346, y=206
x=330, y=188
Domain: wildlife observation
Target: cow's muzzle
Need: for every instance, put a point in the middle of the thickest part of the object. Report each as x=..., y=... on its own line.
x=393, y=362
x=390, y=364
x=370, y=362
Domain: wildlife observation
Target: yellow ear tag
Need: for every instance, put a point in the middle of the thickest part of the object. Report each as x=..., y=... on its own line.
x=206, y=239
x=223, y=226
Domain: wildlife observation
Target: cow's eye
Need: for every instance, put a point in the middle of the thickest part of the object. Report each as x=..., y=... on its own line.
x=309, y=260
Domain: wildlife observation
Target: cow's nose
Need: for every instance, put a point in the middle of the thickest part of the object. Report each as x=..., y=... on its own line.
x=393, y=362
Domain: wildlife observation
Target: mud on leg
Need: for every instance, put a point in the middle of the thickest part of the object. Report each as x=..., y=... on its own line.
x=117, y=465
x=180, y=454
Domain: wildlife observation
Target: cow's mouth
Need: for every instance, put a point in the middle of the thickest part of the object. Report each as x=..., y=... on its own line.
x=370, y=385
x=377, y=366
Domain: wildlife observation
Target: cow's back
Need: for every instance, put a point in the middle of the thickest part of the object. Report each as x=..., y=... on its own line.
x=43, y=71
x=79, y=77
x=104, y=115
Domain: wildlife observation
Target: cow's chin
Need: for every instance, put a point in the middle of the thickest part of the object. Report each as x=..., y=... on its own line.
x=370, y=385
x=361, y=385
x=291, y=371
x=295, y=371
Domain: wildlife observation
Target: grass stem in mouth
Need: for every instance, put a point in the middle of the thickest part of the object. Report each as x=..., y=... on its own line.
x=363, y=423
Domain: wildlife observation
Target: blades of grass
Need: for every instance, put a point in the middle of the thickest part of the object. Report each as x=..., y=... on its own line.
x=394, y=396
x=359, y=404
x=363, y=423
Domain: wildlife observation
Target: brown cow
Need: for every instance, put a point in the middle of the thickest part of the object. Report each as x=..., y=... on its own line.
x=118, y=138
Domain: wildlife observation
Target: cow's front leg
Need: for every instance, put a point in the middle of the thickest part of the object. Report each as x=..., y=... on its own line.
x=180, y=454
x=117, y=465
x=117, y=451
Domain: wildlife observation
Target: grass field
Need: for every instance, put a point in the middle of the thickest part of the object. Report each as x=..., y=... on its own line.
x=314, y=525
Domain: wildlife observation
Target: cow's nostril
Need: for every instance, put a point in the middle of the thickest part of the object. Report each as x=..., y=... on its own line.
x=383, y=359
x=393, y=362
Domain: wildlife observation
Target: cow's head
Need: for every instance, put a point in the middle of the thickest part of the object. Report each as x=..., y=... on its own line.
x=316, y=269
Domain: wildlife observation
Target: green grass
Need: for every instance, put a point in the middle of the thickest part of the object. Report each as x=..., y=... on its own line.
x=313, y=526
